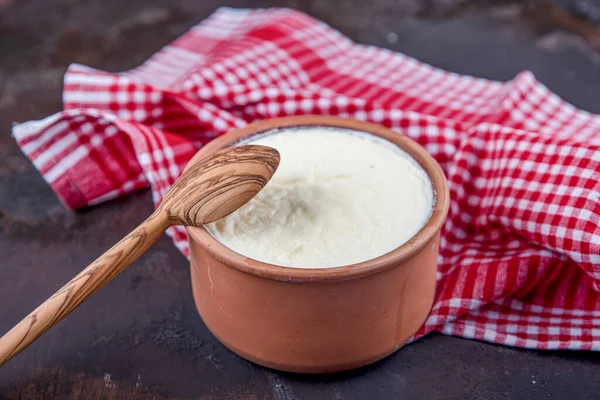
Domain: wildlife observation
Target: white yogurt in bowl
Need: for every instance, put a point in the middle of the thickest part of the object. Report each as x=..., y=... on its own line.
x=339, y=197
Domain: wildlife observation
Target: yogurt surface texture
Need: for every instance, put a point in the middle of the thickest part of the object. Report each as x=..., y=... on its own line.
x=339, y=197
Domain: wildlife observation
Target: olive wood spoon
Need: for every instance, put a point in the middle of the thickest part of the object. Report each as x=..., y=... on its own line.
x=207, y=191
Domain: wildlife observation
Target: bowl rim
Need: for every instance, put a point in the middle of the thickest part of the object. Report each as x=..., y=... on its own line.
x=399, y=255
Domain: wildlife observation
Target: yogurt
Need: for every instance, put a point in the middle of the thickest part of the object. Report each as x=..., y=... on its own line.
x=339, y=197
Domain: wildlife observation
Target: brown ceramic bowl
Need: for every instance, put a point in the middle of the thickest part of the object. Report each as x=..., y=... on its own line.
x=318, y=320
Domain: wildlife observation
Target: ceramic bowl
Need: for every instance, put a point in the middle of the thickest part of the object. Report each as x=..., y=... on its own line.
x=318, y=320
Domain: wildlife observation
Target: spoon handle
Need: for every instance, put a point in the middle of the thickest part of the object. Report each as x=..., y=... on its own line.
x=82, y=286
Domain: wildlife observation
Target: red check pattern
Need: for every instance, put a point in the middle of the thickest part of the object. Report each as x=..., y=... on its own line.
x=520, y=252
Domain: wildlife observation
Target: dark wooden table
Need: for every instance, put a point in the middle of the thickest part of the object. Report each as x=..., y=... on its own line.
x=140, y=337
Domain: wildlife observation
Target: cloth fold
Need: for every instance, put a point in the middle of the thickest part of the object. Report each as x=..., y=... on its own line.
x=519, y=261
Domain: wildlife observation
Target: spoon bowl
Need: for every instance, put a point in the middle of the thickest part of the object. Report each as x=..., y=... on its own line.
x=219, y=184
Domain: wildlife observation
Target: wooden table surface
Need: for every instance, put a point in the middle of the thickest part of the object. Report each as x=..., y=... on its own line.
x=141, y=337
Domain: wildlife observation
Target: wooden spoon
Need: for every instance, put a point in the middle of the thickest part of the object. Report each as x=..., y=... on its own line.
x=207, y=191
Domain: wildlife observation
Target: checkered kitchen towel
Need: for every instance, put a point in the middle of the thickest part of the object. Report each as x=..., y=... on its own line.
x=520, y=252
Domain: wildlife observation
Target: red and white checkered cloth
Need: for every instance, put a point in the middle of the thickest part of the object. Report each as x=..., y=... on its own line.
x=520, y=252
